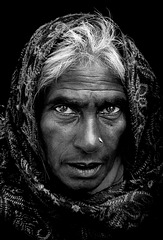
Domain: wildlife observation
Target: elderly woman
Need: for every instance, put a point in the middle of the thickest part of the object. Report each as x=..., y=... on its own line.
x=80, y=135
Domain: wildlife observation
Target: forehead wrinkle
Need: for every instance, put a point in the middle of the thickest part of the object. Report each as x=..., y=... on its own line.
x=66, y=75
x=94, y=74
x=92, y=80
x=89, y=78
x=92, y=86
x=84, y=94
x=94, y=90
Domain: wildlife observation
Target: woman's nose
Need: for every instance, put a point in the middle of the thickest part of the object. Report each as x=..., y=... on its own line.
x=88, y=138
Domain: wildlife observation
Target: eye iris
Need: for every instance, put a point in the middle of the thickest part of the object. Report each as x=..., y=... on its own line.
x=112, y=109
x=61, y=109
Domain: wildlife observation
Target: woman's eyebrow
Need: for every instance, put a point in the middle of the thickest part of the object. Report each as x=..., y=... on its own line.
x=67, y=100
x=117, y=100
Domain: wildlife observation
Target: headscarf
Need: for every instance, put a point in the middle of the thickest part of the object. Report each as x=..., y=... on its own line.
x=27, y=200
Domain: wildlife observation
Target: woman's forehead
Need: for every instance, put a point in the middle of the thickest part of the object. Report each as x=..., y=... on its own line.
x=93, y=77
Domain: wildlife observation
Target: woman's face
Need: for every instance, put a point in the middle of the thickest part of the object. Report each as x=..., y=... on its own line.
x=85, y=106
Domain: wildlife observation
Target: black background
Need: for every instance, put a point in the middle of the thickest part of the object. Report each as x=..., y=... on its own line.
x=141, y=20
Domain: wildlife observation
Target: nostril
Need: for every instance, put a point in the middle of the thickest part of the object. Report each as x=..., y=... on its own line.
x=87, y=146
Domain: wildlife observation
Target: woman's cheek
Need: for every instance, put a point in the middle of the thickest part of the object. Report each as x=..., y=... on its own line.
x=115, y=131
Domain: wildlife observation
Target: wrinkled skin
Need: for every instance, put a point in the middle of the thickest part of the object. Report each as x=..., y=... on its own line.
x=86, y=104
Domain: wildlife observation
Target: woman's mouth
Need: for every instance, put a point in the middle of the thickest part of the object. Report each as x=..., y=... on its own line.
x=84, y=170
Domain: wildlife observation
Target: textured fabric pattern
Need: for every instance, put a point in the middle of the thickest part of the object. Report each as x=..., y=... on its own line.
x=27, y=200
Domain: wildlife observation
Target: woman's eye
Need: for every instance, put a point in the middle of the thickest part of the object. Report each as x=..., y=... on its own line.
x=62, y=109
x=111, y=110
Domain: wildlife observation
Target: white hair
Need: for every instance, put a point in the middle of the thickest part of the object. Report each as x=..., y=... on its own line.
x=81, y=44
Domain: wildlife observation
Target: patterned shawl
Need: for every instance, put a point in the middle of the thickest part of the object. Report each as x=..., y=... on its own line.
x=27, y=200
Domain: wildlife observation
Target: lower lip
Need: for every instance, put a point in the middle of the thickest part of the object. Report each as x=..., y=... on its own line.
x=87, y=173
